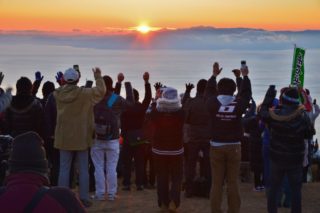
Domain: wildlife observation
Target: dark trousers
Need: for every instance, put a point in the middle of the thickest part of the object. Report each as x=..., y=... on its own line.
x=135, y=153
x=149, y=173
x=191, y=163
x=258, y=175
x=277, y=173
x=169, y=177
x=53, y=160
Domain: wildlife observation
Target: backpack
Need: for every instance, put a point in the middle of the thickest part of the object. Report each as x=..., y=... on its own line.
x=106, y=122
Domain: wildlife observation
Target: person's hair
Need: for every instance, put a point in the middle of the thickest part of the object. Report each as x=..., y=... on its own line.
x=24, y=86
x=136, y=95
x=108, y=82
x=226, y=86
x=308, y=92
x=201, y=86
x=47, y=88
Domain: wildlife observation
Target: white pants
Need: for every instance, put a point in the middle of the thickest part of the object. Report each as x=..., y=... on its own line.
x=105, y=155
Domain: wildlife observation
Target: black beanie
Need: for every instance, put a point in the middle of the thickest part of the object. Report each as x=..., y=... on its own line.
x=24, y=86
x=226, y=86
x=290, y=97
x=108, y=82
x=28, y=154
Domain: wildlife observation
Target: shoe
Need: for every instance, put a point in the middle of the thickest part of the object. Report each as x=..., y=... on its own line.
x=172, y=207
x=99, y=198
x=86, y=203
x=140, y=188
x=256, y=189
x=111, y=197
x=164, y=208
x=126, y=188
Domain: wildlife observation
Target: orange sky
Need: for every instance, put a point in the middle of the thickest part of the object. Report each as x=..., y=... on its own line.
x=105, y=16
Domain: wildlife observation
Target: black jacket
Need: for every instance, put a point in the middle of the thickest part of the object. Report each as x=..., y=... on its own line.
x=289, y=125
x=226, y=111
x=24, y=114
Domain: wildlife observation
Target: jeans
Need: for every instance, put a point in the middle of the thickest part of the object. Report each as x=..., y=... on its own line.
x=193, y=157
x=105, y=155
x=225, y=169
x=65, y=166
x=137, y=153
x=169, y=177
x=277, y=174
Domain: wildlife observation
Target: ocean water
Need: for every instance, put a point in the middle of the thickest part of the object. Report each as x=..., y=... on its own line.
x=173, y=68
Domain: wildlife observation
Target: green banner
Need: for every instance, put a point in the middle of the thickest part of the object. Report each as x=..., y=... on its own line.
x=297, y=76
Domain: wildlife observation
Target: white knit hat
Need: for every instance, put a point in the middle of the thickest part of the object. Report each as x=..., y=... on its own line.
x=71, y=75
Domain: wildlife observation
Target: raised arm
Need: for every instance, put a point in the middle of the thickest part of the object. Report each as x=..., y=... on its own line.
x=147, y=96
x=99, y=90
x=245, y=92
x=36, y=84
x=211, y=89
x=117, y=89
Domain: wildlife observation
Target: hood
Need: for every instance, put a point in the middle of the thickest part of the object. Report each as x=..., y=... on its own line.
x=290, y=113
x=225, y=99
x=67, y=93
x=21, y=102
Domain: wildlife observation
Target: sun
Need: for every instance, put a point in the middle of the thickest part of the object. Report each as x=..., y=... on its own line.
x=143, y=29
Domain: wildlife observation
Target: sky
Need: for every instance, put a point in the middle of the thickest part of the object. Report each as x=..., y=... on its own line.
x=103, y=16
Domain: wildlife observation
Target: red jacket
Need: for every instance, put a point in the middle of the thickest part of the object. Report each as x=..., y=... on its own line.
x=22, y=187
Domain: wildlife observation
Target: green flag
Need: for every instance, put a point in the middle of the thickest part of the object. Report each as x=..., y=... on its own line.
x=297, y=76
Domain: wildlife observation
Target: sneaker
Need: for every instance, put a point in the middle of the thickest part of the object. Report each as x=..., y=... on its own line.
x=140, y=188
x=172, y=207
x=111, y=197
x=256, y=189
x=97, y=197
x=126, y=188
x=86, y=203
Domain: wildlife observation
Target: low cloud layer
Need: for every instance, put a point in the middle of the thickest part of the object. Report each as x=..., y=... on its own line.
x=202, y=38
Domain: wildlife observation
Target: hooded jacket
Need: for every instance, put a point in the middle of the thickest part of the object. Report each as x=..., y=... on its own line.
x=24, y=114
x=75, y=121
x=22, y=187
x=289, y=125
x=226, y=112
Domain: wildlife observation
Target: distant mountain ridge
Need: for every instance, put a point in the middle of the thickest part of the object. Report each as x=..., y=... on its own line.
x=199, y=37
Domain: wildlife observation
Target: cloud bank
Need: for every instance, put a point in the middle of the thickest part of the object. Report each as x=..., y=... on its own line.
x=199, y=38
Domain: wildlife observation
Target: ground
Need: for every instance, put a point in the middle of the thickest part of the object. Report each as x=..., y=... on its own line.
x=145, y=201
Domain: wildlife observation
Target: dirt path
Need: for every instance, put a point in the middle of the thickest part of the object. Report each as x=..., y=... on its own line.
x=252, y=202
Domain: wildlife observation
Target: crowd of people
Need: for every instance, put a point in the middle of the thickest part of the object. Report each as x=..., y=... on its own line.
x=92, y=137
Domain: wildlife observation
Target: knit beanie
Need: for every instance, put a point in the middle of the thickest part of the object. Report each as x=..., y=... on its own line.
x=28, y=154
x=290, y=97
x=226, y=86
x=24, y=86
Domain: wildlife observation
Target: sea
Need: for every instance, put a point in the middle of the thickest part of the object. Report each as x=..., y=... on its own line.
x=172, y=68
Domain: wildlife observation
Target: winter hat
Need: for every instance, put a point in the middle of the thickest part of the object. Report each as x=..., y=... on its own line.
x=24, y=86
x=226, y=86
x=169, y=100
x=290, y=97
x=108, y=82
x=71, y=75
x=28, y=154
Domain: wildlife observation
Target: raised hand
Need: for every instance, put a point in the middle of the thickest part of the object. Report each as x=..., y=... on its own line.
x=96, y=72
x=245, y=71
x=146, y=77
x=216, y=69
x=157, y=85
x=120, y=77
x=38, y=76
x=236, y=73
x=1, y=77
x=189, y=87
x=59, y=77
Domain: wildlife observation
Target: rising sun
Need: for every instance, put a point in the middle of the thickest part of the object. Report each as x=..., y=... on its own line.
x=143, y=29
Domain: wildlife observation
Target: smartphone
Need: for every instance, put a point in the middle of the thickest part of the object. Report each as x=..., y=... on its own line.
x=243, y=64
x=76, y=67
x=88, y=84
x=314, y=101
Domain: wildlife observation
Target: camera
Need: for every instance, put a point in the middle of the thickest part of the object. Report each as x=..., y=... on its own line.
x=76, y=67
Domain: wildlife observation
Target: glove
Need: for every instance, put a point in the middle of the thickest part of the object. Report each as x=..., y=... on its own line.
x=59, y=77
x=38, y=76
x=189, y=87
x=157, y=85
